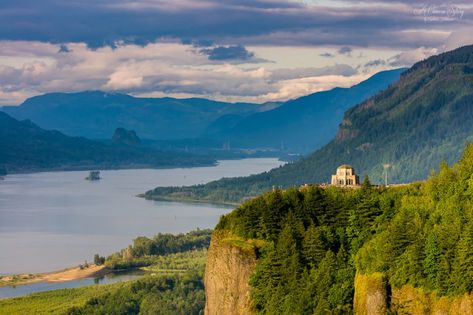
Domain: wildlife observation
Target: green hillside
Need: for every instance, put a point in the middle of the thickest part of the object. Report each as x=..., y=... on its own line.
x=96, y=114
x=424, y=118
x=24, y=147
x=314, y=240
x=172, y=284
x=305, y=123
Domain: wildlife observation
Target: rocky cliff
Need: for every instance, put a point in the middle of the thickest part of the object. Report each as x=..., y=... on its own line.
x=373, y=296
x=123, y=136
x=230, y=263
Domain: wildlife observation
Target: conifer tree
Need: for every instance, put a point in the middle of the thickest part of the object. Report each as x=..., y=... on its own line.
x=272, y=215
x=431, y=263
x=464, y=262
x=313, y=247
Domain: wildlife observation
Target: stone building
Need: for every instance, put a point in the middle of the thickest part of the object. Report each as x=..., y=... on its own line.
x=345, y=177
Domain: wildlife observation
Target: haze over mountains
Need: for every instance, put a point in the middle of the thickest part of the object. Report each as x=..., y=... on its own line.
x=424, y=118
x=306, y=123
x=96, y=114
x=24, y=147
x=299, y=125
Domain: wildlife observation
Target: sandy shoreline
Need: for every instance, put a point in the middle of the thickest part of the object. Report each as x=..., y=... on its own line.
x=57, y=276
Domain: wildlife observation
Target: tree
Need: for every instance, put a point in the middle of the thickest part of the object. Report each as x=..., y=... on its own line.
x=313, y=246
x=433, y=254
x=315, y=205
x=464, y=262
x=366, y=182
x=98, y=260
x=272, y=214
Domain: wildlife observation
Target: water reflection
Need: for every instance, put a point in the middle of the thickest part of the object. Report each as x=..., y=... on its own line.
x=21, y=290
x=49, y=221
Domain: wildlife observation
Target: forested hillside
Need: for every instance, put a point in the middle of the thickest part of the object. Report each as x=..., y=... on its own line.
x=315, y=240
x=172, y=284
x=300, y=125
x=424, y=118
x=26, y=147
x=96, y=114
x=305, y=123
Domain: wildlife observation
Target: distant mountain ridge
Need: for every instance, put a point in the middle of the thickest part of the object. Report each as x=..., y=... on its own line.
x=96, y=114
x=299, y=125
x=305, y=123
x=424, y=118
x=24, y=147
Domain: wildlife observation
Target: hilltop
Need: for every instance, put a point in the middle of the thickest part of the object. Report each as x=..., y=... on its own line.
x=299, y=125
x=305, y=123
x=397, y=250
x=420, y=120
x=96, y=114
x=25, y=147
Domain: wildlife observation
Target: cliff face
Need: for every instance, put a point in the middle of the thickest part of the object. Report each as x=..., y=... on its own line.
x=371, y=294
x=228, y=270
x=372, y=297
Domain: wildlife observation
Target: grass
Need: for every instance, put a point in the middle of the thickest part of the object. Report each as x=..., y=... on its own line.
x=179, y=262
x=60, y=301
x=245, y=245
x=54, y=302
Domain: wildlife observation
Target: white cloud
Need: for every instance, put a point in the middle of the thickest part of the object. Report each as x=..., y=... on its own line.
x=164, y=68
x=410, y=57
x=179, y=70
x=289, y=89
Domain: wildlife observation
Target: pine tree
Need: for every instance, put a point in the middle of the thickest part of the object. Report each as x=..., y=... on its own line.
x=464, y=262
x=313, y=246
x=431, y=264
x=315, y=205
x=272, y=215
x=288, y=255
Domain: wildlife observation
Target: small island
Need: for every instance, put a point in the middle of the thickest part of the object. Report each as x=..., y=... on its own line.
x=93, y=175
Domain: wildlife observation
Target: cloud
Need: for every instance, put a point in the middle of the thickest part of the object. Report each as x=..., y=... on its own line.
x=290, y=89
x=345, y=50
x=327, y=55
x=171, y=69
x=408, y=58
x=375, y=63
x=212, y=48
x=63, y=49
x=298, y=73
x=221, y=22
x=236, y=52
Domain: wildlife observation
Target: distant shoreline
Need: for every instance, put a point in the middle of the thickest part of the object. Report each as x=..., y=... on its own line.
x=103, y=168
x=68, y=274
x=190, y=200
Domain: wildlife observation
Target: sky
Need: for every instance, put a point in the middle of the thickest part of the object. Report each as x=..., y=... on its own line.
x=230, y=50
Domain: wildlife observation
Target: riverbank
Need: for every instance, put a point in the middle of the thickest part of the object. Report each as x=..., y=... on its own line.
x=189, y=200
x=58, y=276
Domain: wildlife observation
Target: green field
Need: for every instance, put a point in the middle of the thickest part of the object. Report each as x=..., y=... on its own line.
x=54, y=302
x=173, y=283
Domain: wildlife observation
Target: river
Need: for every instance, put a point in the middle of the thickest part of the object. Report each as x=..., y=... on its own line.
x=53, y=220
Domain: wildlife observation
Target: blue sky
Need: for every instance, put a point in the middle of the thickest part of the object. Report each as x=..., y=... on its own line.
x=235, y=50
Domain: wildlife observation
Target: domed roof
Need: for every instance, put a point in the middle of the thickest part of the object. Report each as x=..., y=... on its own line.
x=345, y=166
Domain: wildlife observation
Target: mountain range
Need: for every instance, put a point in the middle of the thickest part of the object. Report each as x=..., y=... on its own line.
x=25, y=147
x=303, y=124
x=409, y=128
x=96, y=114
x=299, y=125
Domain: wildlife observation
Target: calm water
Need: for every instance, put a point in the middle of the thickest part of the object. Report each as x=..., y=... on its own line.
x=20, y=290
x=49, y=221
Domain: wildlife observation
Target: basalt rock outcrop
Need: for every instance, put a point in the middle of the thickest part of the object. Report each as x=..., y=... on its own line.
x=228, y=270
x=373, y=296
